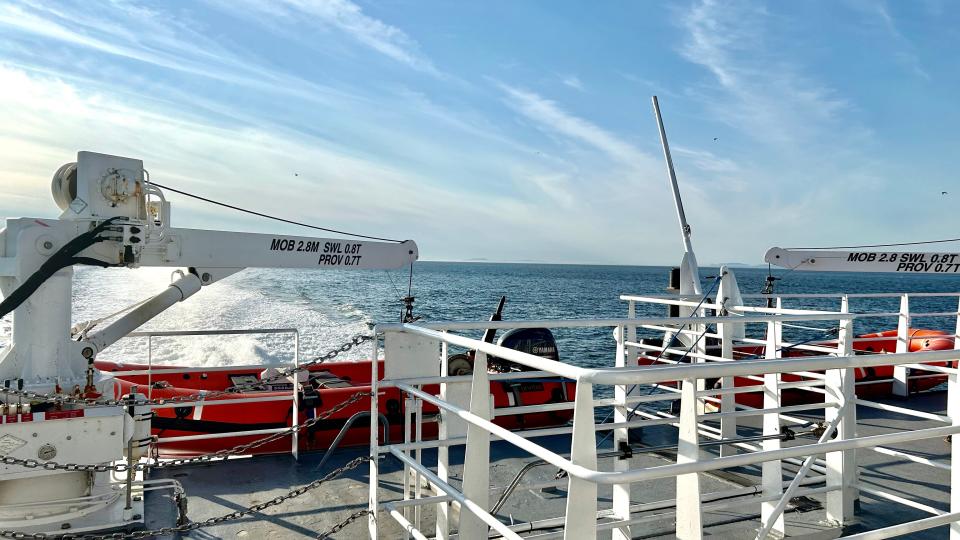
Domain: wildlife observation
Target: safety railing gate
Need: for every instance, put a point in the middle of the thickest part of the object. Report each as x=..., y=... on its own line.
x=199, y=401
x=415, y=356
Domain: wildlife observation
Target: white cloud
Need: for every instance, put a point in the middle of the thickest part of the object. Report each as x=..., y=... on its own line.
x=705, y=160
x=556, y=186
x=385, y=157
x=348, y=17
x=169, y=44
x=761, y=94
x=47, y=120
x=906, y=55
x=550, y=116
x=573, y=82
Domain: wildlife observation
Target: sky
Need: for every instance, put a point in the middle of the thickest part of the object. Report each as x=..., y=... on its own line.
x=501, y=130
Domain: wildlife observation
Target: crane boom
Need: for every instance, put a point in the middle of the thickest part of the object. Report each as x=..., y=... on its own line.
x=865, y=261
x=225, y=249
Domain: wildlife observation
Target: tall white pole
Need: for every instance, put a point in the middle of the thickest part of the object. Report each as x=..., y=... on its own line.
x=690, y=258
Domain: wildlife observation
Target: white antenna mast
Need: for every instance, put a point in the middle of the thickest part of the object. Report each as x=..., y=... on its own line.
x=689, y=265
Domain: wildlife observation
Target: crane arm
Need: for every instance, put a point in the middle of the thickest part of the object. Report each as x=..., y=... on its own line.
x=223, y=249
x=865, y=261
x=213, y=255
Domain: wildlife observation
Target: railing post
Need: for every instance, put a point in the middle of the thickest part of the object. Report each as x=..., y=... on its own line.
x=621, y=413
x=443, y=451
x=729, y=298
x=689, y=516
x=374, y=502
x=295, y=437
x=149, y=366
x=581, y=517
x=728, y=402
x=953, y=411
x=699, y=349
x=408, y=407
x=772, y=471
x=632, y=357
x=901, y=374
x=476, y=463
x=632, y=352
x=842, y=465
x=956, y=331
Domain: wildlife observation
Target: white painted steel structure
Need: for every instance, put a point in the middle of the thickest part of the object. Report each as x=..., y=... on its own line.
x=112, y=215
x=415, y=356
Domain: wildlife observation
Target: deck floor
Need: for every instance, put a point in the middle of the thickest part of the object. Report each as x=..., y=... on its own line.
x=220, y=488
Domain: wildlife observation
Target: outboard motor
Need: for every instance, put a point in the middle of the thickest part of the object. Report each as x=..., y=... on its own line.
x=535, y=341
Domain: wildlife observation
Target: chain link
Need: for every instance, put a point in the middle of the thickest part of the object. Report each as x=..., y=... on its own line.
x=343, y=523
x=281, y=374
x=218, y=455
x=136, y=535
x=241, y=448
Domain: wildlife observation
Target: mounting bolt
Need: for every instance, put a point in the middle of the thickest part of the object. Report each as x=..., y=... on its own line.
x=49, y=245
x=65, y=526
x=87, y=352
x=137, y=517
x=206, y=277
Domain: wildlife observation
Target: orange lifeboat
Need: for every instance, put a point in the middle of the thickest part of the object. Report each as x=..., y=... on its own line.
x=266, y=402
x=871, y=383
x=324, y=387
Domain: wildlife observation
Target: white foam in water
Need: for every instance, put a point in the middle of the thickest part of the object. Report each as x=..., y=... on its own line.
x=234, y=303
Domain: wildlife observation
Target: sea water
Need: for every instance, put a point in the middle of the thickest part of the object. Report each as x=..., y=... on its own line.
x=328, y=307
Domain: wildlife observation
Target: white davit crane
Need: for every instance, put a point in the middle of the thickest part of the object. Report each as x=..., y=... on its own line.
x=865, y=261
x=112, y=216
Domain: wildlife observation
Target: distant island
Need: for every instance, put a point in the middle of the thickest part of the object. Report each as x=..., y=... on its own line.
x=737, y=265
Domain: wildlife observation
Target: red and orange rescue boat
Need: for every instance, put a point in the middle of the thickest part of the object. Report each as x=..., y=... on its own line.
x=871, y=383
x=326, y=386
x=323, y=387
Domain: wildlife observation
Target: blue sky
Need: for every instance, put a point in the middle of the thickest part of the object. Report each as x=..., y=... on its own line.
x=509, y=131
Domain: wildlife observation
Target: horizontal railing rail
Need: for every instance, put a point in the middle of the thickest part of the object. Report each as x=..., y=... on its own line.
x=201, y=399
x=679, y=366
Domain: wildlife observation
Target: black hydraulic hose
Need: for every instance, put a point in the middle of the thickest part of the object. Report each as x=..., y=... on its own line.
x=64, y=257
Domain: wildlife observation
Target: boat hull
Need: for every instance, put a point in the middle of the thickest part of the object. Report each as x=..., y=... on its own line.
x=871, y=383
x=274, y=408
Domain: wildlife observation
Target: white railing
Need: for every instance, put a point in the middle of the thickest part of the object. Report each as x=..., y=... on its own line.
x=902, y=318
x=200, y=400
x=415, y=355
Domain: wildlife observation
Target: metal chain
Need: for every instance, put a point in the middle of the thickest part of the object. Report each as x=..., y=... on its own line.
x=343, y=523
x=220, y=454
x=241, y=448
x=352, y=464
x=281, y=374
